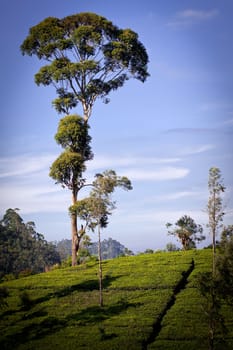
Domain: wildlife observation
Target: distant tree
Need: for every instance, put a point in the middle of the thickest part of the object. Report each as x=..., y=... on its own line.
x=63, y=248
x=187, y=232
x=95, y=209
x=215, y=206
x=128, y=252
x=171, y=247
x=149, y=251
x=88, y=57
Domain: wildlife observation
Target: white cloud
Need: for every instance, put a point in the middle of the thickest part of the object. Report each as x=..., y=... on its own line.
x=197, y=149
x=107, y=161
x=24, y=165
x=160, y=174
x=191, y=16
x=25, y=182
x=34, y=198
x=179, y=195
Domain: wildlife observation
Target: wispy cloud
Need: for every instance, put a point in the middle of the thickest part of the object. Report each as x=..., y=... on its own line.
x=197, y=149
x=180, y=195
x=159, y=174
x=24, y=165
x=191, y=16
x=107, y=161
x=191, y=130
x=25, y=182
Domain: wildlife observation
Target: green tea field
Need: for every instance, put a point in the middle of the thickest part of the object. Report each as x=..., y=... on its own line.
x=150, y=302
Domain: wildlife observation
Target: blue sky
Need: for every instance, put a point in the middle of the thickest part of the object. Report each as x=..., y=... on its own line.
x=164, y=134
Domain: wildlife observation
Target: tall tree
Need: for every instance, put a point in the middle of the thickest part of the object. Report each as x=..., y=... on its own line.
x=187, y=232
x=88, y=57
x=215, y=206
x=68, y=168
x=95, y=209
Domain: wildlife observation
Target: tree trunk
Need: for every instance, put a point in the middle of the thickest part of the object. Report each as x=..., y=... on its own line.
x=100, y=269
x=214, y=235
x=74, y=232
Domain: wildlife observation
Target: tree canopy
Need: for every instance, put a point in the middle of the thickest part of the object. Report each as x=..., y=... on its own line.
x=187, y=232
x=88, y=57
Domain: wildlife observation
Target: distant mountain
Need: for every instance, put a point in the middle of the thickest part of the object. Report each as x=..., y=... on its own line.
x=110, y=249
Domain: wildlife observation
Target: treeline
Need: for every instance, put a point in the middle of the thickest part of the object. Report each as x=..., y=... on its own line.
x=23, y=251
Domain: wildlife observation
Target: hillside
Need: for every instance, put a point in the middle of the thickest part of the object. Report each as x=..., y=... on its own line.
x=150, y=302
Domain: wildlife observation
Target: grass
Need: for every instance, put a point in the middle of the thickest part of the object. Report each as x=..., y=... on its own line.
x=59, y=309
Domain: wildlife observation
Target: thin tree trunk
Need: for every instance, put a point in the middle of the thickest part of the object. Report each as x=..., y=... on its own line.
x=74, y=232
x=214, y=235
x=100, y=269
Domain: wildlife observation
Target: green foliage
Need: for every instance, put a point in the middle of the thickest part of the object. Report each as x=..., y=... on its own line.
x=224, y=264
x=67, y=170
x=187, y=232
x=89, y=53
x=171, y=247
x=4, y=293
x=26, y=303
x=72, y=134
x=22, y=250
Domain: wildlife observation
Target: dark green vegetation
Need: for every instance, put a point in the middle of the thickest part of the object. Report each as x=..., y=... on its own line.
x=151, y=301
x=23, y=250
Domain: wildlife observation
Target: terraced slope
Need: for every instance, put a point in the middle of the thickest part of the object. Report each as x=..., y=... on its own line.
x=142, y=306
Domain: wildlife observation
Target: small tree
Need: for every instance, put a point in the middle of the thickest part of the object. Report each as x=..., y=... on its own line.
x=215, y=206
x=218, y=288
x=187, y=232
x=171, y=247
x=95, y=209
x=209, y=290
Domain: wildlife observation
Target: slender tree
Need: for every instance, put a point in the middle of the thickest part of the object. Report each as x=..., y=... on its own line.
x=88, y=57
x=187, y=232
x=95, y=209
x=215, y=207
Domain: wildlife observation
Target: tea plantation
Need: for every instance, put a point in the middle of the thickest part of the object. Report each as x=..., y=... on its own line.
x=150, y=302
